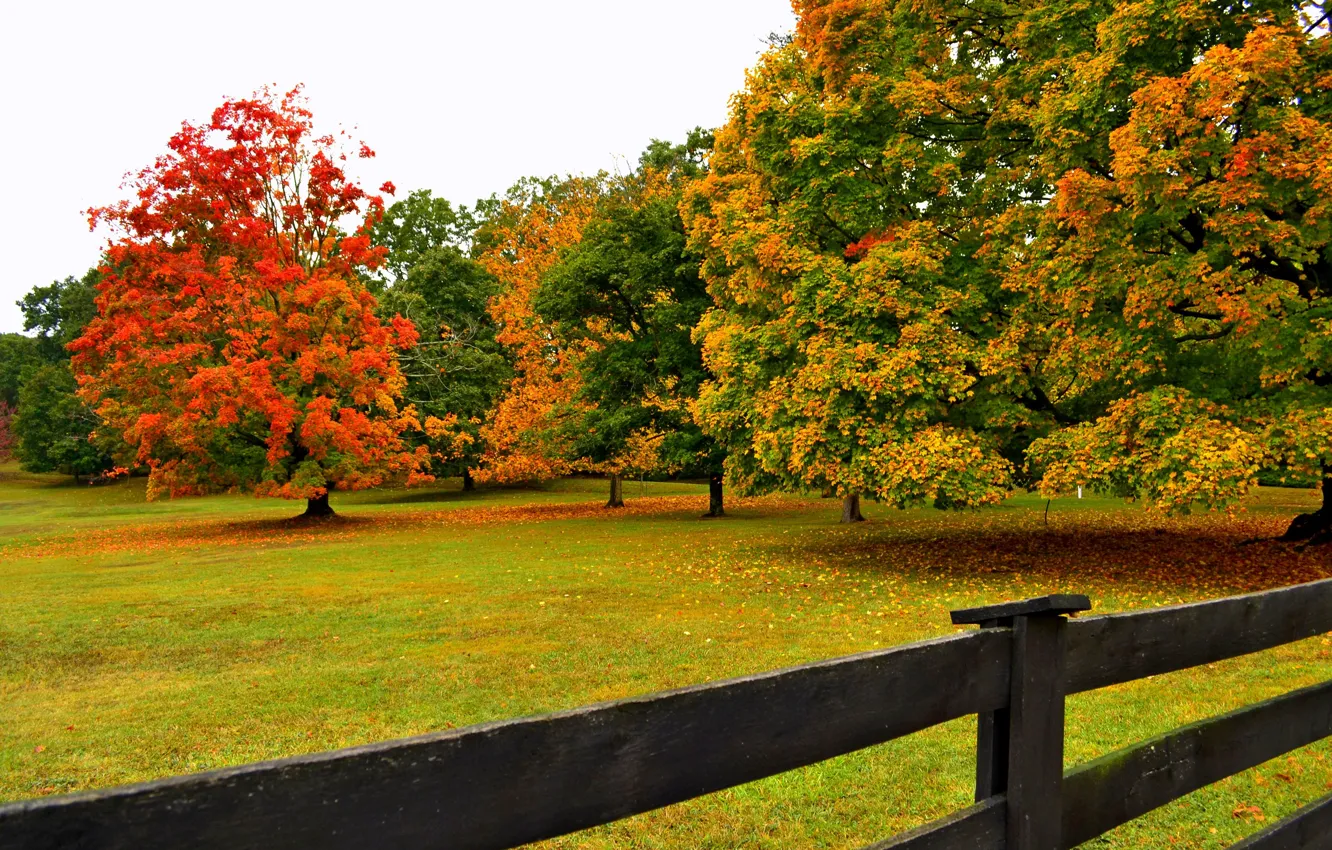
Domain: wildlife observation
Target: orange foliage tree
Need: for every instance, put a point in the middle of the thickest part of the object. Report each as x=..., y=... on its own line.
x=1187, y=276
x=235, y=345
x=522, y=240
x=958, y=248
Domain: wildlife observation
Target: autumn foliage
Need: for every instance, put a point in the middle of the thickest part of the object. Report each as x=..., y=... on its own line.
x=235, y=345
x=958, y=249
x=940, y=252
x=849, y=263
x=1193, y=270
x=523, y=242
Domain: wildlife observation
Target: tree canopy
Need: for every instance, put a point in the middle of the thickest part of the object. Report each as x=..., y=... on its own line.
x=957, y=248
x=1183, y=281
x=523, y=238
x=628, y=297
x=59, y=311
x=941, y=250
x=235, y=344
x=457, y=368
x=844, y=228
x=53, y=429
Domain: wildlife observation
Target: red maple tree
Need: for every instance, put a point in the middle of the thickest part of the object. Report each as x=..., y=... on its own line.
x=235, y=346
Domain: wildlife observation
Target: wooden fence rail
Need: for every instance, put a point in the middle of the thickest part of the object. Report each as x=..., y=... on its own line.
x=499, y=785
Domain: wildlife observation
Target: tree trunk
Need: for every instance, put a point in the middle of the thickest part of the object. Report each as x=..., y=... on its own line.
x=1315, y=527
x=317, y=508
x=469, y=483
x=851, y=509
x=715, y=504
x=617, y=492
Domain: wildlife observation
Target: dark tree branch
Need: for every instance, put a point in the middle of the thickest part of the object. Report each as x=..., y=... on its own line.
x=1185, y=309
x=1039, y=402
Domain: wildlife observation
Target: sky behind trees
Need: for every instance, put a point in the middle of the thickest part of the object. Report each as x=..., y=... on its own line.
x=456, y=97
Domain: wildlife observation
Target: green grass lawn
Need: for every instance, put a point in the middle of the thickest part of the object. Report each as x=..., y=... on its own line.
x=143, y=640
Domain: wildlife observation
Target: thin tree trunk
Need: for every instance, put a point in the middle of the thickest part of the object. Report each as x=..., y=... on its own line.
x=851, y=509
x=616, y=492
x=716, y=506
x=318, y=508
x=469, y=483
x=1315, y=527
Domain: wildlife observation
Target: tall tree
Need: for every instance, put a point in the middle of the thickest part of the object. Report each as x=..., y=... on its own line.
x=628, y=296
x=845, y=231
x=523, y=237
x=457, y=368
x=1180, y=283
x=235, y=344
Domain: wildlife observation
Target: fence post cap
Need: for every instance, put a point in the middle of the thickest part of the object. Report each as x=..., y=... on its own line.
x=1054, y=605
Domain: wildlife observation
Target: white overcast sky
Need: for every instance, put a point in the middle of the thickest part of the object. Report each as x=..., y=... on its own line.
x=461, y=98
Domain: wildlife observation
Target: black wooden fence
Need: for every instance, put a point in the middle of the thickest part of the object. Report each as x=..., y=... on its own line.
x=498, y=785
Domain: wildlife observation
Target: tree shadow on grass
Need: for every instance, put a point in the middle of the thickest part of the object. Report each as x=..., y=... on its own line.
x=300, y=529
x=1202, y=557
x=435, y=495
x=418, y=497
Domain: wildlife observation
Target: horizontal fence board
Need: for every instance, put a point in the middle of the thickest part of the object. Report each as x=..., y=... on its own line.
x=504, y=784
x=1308, y=829
x=978, y=827
x=1115, y=648
x=1127, y=784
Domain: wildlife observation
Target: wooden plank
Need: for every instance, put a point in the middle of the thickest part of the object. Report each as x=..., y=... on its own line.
x=1116, y=648
x=979, y=827
x=991, y=753
x=1036, y=733
x=1308, y=829
x=1058, y=603
x=1117, y=788
x=503, y=784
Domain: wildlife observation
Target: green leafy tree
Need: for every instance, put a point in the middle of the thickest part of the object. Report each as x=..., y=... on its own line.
x=20, y=356
x=628, y=296
x=457, y=369
x=846, y=228
x=59, y=312
x=416, y=226
x=55, y=428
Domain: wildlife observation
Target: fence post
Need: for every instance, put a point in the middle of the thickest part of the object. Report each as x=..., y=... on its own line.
x=1020, y=748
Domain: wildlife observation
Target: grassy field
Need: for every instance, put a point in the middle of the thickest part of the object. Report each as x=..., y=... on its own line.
x=142, y=640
